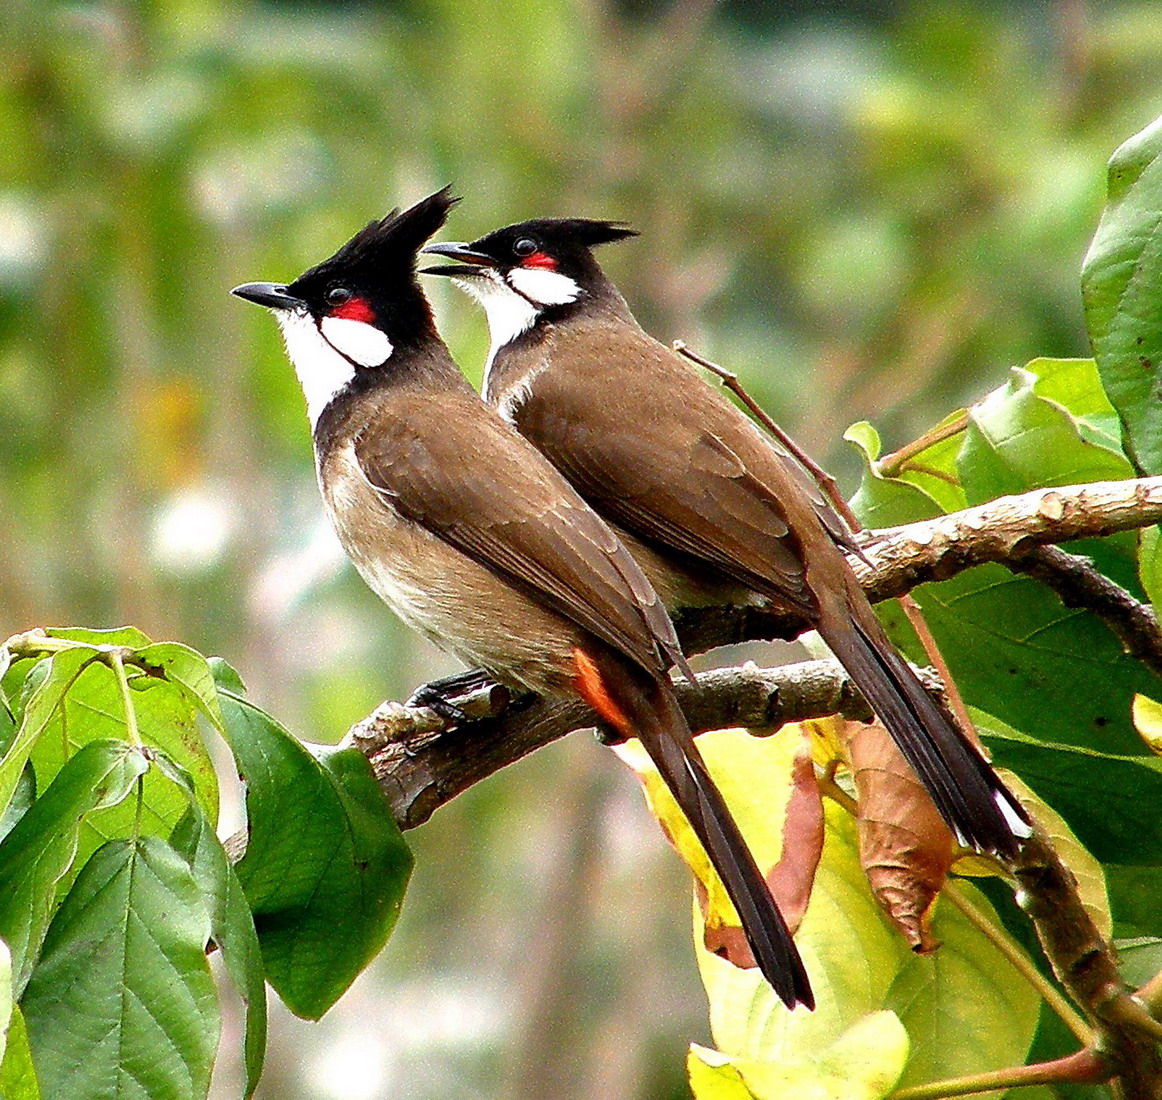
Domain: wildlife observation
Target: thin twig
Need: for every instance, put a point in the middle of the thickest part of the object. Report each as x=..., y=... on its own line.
x=1084, y=1067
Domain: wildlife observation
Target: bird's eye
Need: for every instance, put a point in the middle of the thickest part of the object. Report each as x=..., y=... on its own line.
x=337, y=295
x=526, y=246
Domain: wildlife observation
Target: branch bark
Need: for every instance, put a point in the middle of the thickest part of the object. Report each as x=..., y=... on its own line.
x=421, y=762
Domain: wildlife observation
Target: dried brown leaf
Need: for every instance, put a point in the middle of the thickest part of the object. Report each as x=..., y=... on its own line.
x=905, y=847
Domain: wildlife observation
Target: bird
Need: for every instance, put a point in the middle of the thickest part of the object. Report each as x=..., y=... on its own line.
x=478, y=543
x=725, y=513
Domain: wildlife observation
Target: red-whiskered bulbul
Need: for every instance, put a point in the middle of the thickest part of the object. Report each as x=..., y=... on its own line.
x=476, y=541
x=664, y=456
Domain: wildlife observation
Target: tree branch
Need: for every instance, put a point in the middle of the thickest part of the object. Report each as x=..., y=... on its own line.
x=420, y=758
x=421, y=761
x=1079, y=584
x=900, y=558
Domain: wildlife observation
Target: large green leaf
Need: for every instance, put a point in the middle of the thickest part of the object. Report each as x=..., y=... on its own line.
x=231, y=922
x=1121, y=283
x=39, y=851
x=1017, y=652
x=965, y=1007
x=864, y=1063
x=122, y=1003
x=323, y=853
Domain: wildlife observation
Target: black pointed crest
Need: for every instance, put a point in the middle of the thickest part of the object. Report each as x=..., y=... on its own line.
x=390, y=244
x=591, y=233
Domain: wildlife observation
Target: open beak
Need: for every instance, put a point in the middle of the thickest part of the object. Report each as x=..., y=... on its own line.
x=271, y=295
x=472, y=261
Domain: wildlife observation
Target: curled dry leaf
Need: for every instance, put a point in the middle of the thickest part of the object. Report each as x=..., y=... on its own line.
x=905, y=847
x=769, y=784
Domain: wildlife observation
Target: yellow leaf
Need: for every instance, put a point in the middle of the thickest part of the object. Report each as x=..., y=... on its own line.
x=1148, y=722
x=863, y=1064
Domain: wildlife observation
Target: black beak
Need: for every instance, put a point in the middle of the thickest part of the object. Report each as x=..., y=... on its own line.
x=474, y=261
x=271, y=295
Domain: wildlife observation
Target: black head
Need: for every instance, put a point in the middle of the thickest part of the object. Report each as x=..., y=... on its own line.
x=371, y=278
x=522, y=254
x=353, y=311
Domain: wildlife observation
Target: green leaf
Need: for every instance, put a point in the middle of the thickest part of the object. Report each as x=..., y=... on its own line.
x=1100, y=795
x=60, y=673
x=226, y=676
x=121, y=635
x=1135, y=899
x=1017, y=652
x=17, y=1074
x=189, y=671
x=864, y=1063
x=885, y=501
x=860, y=966
x=1022, y=435
x=122, y=1003
x=38, y=852
x=324, y=852
x=1121, y=282
x=1139, y=960
x=849, y=947
x=166, y=718
x=231, y=922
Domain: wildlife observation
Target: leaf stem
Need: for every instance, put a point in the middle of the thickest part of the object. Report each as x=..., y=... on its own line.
x=1022, y=963
x=892, y=464
x=1083, y=1067
x=118, y=665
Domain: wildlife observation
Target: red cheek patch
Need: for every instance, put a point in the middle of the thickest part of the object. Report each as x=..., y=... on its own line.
x=355, y=309
x=540, y=259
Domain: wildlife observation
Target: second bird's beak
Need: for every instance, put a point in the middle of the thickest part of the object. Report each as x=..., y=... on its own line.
x=473, y=261
x=271, y=295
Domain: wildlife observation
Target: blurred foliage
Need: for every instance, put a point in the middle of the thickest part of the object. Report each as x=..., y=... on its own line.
x=864, y=212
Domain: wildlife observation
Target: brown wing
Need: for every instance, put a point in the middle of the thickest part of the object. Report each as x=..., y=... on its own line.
x=458, y=470
x=672, y=460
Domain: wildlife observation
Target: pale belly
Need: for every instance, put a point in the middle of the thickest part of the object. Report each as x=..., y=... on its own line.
x=449, y=598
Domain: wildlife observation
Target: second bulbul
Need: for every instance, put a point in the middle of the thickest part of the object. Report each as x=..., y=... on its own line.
x=672, y=461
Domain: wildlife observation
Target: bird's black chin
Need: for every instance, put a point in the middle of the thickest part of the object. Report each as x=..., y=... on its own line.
x=271, y=295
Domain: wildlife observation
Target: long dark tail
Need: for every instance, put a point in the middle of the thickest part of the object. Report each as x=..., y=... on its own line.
x=970, y=796
x=648, y=710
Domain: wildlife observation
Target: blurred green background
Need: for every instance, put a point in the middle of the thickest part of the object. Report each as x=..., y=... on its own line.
x=866, y=209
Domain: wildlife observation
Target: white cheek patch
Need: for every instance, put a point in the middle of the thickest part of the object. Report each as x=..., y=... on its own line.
x=546, y=288
x=364, y=343
x=322, y=371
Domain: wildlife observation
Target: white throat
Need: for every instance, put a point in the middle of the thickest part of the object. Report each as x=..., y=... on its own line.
x=510, y=311
x=325, y=356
